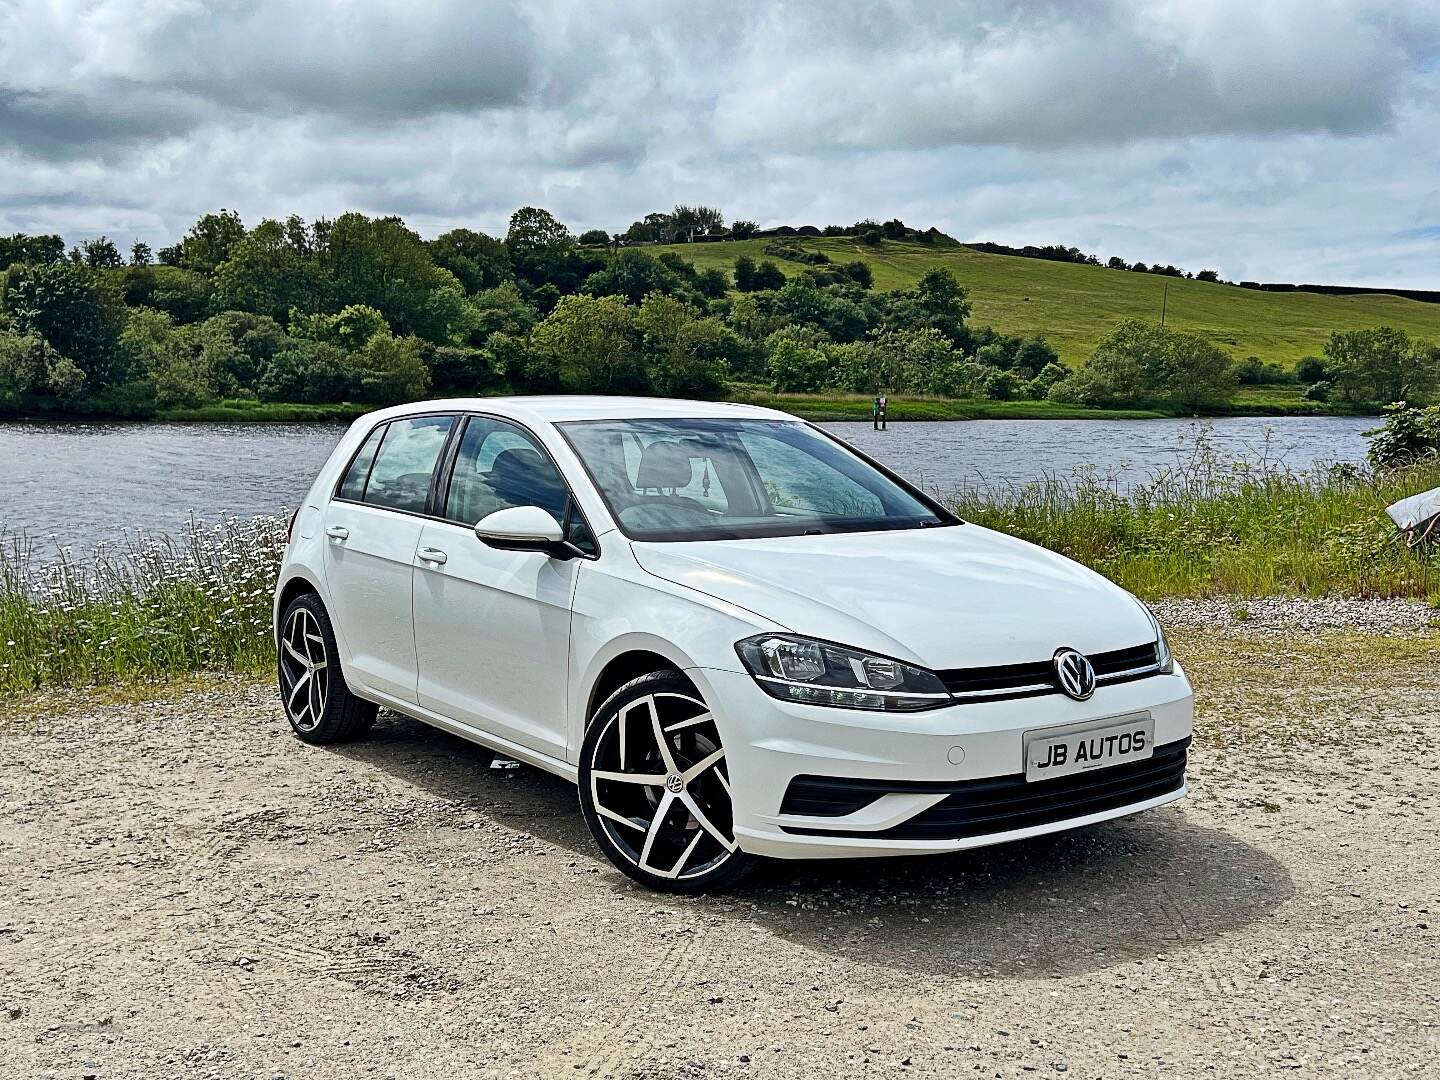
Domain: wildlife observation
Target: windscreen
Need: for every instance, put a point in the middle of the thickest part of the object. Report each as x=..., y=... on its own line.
x=720, y=479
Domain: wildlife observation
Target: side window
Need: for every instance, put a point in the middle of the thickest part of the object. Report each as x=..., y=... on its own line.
x=499, y=466
x=353, y=486
x=400, y=477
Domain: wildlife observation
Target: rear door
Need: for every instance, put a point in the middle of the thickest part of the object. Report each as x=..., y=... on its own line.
x=372, y=528
x=492, y=628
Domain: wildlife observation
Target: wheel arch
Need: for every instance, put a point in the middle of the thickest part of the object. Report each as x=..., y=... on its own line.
x=624, y=666
x=296, y=585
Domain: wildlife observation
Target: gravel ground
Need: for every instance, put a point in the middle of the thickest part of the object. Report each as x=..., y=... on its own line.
x=1284, y=613
x=186, y=890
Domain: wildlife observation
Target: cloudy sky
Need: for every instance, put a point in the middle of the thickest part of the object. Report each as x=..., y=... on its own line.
x=1269, y=139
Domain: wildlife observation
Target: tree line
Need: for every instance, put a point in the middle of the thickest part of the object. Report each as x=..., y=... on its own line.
x=362, y=309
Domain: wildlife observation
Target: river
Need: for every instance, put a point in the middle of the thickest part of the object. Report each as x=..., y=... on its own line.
x=77, y=484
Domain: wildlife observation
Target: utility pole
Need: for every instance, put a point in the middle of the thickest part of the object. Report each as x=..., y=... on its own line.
x=1164, y=299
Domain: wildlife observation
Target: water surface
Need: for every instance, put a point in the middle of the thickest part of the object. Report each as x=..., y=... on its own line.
x=77, y=484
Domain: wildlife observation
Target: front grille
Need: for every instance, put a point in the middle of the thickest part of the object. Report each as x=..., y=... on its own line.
x=1007, y=681
x=992, y=805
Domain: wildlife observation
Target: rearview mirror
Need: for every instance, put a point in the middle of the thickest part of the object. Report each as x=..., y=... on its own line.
x=523, y=528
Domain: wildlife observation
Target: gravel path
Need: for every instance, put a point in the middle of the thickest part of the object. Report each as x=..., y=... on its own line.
x=186, y=890
x=1396, y=616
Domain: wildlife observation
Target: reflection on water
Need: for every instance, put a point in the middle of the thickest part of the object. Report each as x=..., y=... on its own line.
x=79, y=483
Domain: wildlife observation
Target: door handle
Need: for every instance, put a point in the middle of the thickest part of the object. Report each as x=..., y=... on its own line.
x=337, y=532
x=431, y=555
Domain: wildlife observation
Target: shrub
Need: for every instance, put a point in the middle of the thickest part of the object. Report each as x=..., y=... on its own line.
x=1408, y=435
x=308, y=372
x=390, y=370
x=1310, y=369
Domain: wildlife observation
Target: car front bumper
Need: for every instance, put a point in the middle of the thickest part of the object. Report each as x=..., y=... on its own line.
x=942, y=764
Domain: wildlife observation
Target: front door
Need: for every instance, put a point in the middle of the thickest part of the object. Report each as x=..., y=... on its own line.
x=492, y=628
x=372, y=528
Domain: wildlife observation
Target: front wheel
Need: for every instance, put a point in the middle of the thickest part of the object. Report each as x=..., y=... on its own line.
x=655, y=788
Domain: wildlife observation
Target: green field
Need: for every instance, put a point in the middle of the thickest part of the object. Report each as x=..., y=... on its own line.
x=1075, y=306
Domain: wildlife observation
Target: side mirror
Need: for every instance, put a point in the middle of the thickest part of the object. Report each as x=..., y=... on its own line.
x=523, y=528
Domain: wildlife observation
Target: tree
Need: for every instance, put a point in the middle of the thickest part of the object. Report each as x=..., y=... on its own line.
x=594, y=238
x=633, y=274
x=31, y=371
x=140, y=254
x=500, y=310
x=709, y=220
x=351, y=328
x=78, y=313
x=685, y=354
x=712, y=283
x=1208, y=275
x=390, y=370
x=1142, y=362
x=801, y=301
x=478, y=261
x=265, y=273
x=859, y=272
x=743, y=230
x=768, y=276
x=307, y=371
x=684, y=224
x=1310, y=369
x=20, y=248
x=1116, y=263
x=1381, y=365
x=652, y=229
x=745, y=273
x=99, y=253
x=382, y=264
x=183, y=294
x=538, y=244
x=208, y=242
x=937, y=300
x=238, y=347
x=795, y=363
x=589, y=343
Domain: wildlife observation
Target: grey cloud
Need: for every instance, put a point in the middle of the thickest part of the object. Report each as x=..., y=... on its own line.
x=1270, y=139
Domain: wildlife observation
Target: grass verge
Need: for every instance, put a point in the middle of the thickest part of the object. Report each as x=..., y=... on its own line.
x=153, y=608
x=1203, y=529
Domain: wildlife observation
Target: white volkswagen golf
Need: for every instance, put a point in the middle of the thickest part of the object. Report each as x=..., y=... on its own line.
x=737, y=635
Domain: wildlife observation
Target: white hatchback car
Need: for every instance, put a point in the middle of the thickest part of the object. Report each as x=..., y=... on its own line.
x=738, y=635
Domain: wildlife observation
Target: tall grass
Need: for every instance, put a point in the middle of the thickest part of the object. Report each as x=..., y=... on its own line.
x=1205, y=528
x=152, y=607
x=148, y=607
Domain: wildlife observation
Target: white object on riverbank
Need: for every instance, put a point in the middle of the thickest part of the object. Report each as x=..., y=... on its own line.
x=1418, y=514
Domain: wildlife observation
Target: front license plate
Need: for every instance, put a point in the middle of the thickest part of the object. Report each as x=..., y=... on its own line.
x=1053, y=753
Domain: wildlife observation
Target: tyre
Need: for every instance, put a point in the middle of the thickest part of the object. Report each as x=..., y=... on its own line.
x=655, y=788
x=318, y=704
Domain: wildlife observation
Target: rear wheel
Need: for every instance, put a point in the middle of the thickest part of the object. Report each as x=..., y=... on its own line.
x=317, y=702
x=655, y=787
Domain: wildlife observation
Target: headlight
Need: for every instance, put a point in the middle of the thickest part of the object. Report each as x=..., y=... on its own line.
x=818, y=673
x=1162, y=647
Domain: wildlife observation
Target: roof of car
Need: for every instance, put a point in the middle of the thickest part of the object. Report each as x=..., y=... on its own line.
x=558, y=408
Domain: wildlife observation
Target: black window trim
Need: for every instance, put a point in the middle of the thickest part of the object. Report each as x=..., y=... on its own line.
x=335, y=495
x=444, y=466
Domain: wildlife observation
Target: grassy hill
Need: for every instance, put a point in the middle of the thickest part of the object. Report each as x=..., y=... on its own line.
x=1075, y=306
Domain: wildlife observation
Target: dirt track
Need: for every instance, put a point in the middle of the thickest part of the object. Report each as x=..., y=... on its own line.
x=185, y=889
